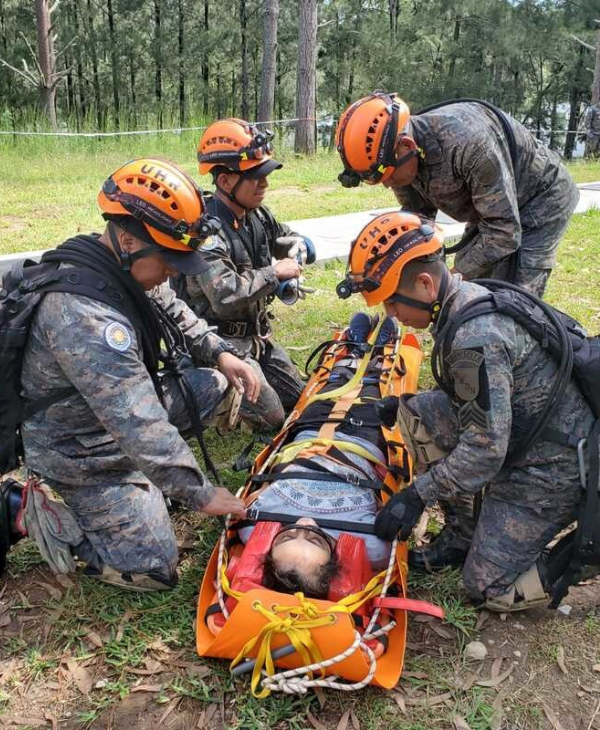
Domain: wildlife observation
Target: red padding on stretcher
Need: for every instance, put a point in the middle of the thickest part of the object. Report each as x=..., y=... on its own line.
x=409, y=604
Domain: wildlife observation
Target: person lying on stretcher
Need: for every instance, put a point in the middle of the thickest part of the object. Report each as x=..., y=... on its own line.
x=302, y=557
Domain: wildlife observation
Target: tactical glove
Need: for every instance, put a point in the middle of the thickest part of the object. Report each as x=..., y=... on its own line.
x=295, y=247
x=290, y=290
x=387, y=410
x=400, y=514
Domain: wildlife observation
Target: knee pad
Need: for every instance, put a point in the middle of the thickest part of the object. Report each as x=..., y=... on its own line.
x=208, y=389
x=526, y=592
x=428, y=425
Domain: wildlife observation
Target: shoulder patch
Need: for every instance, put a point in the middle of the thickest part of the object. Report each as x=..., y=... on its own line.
x=464, y=368
x=210, y=244
x=117, y=336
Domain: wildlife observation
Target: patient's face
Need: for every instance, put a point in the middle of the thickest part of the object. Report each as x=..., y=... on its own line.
x=300, y=549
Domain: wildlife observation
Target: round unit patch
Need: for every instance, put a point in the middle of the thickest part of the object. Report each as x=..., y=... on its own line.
x=209, y=244
x=117, y=337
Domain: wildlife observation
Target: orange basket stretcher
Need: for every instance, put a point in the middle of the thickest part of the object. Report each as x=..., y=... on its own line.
x=291, y=643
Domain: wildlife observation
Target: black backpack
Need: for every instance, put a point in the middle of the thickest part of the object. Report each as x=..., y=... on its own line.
x=578, y=357
x=23, y=289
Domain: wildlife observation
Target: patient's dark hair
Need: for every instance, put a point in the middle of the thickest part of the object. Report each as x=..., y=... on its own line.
x=314, y=585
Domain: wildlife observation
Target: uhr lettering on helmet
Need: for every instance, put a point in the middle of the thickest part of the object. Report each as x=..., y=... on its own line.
x=160, y=174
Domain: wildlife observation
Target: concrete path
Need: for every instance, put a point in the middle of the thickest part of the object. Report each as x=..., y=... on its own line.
x=333, y=234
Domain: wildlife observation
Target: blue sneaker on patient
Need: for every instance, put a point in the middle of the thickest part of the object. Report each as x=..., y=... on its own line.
x=388, y=332
x=359, y=327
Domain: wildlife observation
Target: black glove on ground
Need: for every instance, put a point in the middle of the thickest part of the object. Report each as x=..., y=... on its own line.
x=399, y=516
x=387, y=410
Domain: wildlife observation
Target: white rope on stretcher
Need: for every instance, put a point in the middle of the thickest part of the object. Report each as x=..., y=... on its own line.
x=290, y=682
x=221, y=558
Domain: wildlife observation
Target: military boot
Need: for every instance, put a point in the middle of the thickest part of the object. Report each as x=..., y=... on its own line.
x=448, y=548
x=10, y=503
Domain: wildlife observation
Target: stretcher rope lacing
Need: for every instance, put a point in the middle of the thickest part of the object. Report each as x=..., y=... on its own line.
x=290, y=682
x=221, y=558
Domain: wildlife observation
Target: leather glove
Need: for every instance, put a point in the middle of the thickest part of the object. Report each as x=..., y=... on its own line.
x=400, y=514
x=387, y=410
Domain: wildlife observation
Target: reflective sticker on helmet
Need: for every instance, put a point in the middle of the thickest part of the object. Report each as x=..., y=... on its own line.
x=117, y=337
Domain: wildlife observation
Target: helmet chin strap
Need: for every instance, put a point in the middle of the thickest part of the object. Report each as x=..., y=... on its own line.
x=434, y=308
x=234, y=189
x=126, y=258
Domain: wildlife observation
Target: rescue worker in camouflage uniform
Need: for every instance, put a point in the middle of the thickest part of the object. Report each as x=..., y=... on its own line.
x=592, y=130
x=499, y=377
x=110, y=447
x=474, y=163
x=238, y=278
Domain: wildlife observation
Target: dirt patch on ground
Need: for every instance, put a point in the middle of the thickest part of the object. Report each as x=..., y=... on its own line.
x=13, y=223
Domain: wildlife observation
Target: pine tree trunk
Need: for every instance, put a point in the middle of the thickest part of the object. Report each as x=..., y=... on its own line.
x=574, y=100
x=114, y=60
x=91, y=46
x=305, y=142
x=181, y=49
x=244, y=50
x=158, y=64
x=132, y=83
x=269, y=59
x=205, y=67
x=596, y=81
x=47, y=61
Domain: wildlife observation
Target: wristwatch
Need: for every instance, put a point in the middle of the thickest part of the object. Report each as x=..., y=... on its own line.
x=224, y=347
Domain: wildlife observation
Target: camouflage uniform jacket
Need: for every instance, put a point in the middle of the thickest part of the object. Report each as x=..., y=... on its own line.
x=114, y=430
x=592, y=120
x=239, y=274
x=500, y=375
x=467, y=173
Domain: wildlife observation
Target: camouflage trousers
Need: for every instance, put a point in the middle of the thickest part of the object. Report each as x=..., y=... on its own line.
x=281, y=384
x=534, y=280
x=544, y=221
x=523, y=508
x=126, y=526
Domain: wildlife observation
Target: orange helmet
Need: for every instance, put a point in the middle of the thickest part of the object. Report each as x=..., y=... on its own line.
x=366, y=138
x=382, y=250
x=163, y=198
x=236, y=145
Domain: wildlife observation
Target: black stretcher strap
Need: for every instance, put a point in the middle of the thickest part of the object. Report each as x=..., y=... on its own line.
x=253, y=516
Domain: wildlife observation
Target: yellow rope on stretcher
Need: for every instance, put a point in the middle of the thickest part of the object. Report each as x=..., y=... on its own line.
x=290, y=451
x=356, y=378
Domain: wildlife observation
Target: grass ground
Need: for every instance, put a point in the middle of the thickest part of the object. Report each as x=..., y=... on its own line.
x=48, y=188
x=74, y=654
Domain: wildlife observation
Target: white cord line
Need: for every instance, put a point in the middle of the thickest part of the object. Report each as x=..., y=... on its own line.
x=174, y=130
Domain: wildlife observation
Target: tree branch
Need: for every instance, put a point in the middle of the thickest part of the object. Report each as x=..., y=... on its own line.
x=583, y=43
x=70, y=43
x=27, y=77
x=33, y=54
